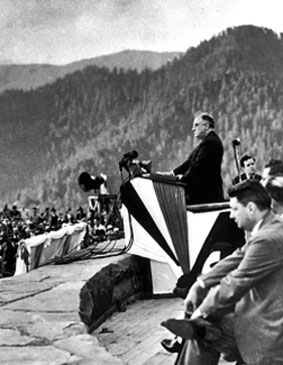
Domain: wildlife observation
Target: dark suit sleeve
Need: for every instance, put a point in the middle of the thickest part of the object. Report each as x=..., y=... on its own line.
x=262, y=257
x=180, y=170
x=202, y=163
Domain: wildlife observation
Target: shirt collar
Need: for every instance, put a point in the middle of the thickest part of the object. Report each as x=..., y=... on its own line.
x=256, y=227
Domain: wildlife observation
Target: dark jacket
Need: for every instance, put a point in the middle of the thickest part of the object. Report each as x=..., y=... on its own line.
x=236, y=179
x=202, y=172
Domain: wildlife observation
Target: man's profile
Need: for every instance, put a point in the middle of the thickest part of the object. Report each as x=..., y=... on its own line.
x=201, y=172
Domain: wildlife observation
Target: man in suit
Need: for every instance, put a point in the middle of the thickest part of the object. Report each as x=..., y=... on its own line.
x=201, y=172
x=274, y=187
x=242, y=295
x=248, y=163
x=273, y=167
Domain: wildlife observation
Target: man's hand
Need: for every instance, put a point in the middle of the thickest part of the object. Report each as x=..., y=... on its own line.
x=179, y=177
x=165, y=173
x=194, y=297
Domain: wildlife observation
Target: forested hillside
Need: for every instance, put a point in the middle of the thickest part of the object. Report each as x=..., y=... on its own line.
x=32, y=76
x=87, y=120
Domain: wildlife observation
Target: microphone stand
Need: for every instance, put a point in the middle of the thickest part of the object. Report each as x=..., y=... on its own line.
x=236, y=143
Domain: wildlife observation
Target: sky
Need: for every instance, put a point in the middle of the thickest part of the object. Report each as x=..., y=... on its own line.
x=64, y=31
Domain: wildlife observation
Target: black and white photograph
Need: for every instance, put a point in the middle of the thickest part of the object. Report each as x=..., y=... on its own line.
x=141, y=183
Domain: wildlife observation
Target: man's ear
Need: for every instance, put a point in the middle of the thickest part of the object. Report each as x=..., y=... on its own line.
x=251, y=206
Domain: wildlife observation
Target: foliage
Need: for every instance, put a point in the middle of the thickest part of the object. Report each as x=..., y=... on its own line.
x=87, y=120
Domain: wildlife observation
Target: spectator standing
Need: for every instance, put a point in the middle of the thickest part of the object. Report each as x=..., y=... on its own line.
x=15, y=214
x=34, y=215
x=69, y=216
x=54, y=224
x=248, y=164
x=80, y=215
x=6, y=212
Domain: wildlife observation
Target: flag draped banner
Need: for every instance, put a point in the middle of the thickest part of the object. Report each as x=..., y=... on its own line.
x=159, y=208
x=162, y=228
x=39, y=250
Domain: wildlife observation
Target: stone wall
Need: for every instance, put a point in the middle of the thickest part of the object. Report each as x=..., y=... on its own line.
x=112, y=288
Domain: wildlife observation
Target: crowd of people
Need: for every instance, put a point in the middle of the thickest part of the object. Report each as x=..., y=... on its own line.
x=18, y=223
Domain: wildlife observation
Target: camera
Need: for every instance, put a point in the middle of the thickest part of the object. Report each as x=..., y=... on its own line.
x=88, y=182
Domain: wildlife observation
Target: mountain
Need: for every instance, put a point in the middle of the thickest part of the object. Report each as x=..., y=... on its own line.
x=32, y=76
x=87, y=120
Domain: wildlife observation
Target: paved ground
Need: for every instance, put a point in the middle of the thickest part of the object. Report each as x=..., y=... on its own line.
x=40, y=325
x=39, y=321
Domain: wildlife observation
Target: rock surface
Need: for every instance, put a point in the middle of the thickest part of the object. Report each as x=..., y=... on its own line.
x=39, y=314
x=111, y=288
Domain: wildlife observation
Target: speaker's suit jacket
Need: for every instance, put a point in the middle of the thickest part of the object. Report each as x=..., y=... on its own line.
x=202, y=171
x=251, y=281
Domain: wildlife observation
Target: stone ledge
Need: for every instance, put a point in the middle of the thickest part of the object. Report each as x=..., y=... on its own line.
x=112, y=288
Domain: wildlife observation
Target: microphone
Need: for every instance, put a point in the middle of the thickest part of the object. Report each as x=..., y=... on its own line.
x=127, y=159
x=236, y=142
x=131, y=155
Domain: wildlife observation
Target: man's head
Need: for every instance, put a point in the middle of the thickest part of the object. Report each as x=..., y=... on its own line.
x=274, y=187
x=272, y=168
x=248, y=164
x=249, y=201
x=203, y=124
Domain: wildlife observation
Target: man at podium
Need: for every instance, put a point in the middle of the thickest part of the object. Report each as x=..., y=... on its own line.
x=201, y=172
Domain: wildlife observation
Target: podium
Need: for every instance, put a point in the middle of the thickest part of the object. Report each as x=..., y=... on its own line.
x=177, y=239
